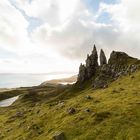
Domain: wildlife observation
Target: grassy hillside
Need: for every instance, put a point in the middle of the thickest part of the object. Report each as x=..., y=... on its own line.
x=110, y=114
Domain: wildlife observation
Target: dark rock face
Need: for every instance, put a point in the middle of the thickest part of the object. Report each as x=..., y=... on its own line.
x=59, y=136
x=102, y=58
x=122, y=64
x=118, y=58
x=104, y=76
x=86, y=72
x=82, y=76
x=92, y=63
x=119, y=64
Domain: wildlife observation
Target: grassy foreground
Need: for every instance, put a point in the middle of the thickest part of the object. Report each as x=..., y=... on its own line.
x=113, y=113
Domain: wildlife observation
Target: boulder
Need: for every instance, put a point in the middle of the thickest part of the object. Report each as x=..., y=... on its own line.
x=19, y=114
x=71, y=110
x=59, y=136
x=88, y=97
x=87, y=110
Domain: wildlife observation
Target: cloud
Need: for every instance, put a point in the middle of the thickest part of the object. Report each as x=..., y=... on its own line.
x=76, y=38
x=125, y=20
x=54, y=12
x=12, y=25
x=66, y=32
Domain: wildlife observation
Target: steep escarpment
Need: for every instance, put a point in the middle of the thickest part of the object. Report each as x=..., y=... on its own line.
x=119, y=64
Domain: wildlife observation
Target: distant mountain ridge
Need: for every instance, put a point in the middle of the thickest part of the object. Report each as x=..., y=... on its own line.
x=69, y=80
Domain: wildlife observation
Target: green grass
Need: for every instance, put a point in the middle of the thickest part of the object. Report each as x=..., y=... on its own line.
x=10, y=93
x=114, y=113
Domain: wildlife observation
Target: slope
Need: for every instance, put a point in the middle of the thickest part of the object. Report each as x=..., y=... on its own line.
x=109, y=114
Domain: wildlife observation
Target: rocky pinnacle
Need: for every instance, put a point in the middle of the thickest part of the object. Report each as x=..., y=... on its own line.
x=102, y=58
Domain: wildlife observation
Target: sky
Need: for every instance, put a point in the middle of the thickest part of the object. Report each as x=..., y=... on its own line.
x=46, y=36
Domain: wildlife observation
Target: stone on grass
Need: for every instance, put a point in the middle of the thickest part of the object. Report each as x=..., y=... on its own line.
x=87, y=110
x=71, y=110
x=59, y=136
x=88, y=97
x=19, y=114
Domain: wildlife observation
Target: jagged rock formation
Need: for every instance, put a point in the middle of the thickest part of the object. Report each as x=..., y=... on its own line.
x=102, y=58
x=82, y=76
x=88, y=70
x=118, y=58
x=119, y=64
x=92, y=63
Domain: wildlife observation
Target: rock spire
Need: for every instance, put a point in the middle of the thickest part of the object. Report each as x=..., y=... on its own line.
x=102, y=58
x=92, y=62
x=82, y=76
x=89, y=69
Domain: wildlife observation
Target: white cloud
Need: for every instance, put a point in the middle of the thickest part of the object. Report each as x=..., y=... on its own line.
x=67, y=33
x=12, y=25
x=54, y=12
x=125, y=18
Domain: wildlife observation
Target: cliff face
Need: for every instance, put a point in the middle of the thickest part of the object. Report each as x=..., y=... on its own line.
x=118, y=64
x=82, y=76
x=92, y=63
x=89, y=69
x=102, y=58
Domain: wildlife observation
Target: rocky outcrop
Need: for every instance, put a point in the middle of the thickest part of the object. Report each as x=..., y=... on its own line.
x=118, y=64
x=103, y=78
x=82, y=76
x=92, y=63
x=118, y=58
x=88, y=70
x=102, y=58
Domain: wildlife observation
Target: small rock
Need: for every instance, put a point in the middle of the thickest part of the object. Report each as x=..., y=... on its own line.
x=105, y=86
x=59, y=136
x=61, y=104
x=114, y=91
x=9, y=130
x=87, y=110
x=88, y=97
x=19, y=114
x=81, y=118
x=121, y=89
x=29, y=110
x=71, y=110
x=132, y=77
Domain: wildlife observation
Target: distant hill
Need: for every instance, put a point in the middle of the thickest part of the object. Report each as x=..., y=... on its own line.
x=68, y=80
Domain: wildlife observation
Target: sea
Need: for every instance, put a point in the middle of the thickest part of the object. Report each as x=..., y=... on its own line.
x=15, y=80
